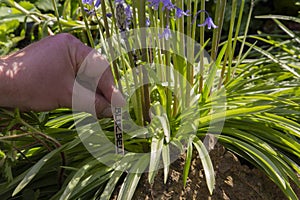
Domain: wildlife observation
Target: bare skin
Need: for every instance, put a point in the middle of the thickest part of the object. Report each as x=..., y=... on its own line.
x=41, y=77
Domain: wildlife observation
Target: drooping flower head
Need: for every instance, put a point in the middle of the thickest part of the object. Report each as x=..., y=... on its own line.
x=208, y=21
x=167, y=4
x=91, y=4
x=123, y=14
x=87, y=2
x=154, y=4
x=148, y=23
x=166, y=33
x=128, y=12
x=180, y=13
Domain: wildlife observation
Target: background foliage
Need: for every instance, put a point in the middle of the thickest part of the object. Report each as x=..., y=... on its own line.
x=42, y=157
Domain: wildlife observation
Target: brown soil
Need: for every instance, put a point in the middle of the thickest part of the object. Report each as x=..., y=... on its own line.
x=233, y=181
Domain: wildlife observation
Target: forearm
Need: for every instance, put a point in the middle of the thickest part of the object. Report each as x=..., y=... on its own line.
x=7, y=88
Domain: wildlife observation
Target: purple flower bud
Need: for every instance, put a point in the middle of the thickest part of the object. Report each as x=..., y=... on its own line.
x=119, y=1
x=97, y=4
x=180, y=13
x=87, y=2
x=109, y=15
x=148, y=22
x=123, y=15
x=128, y=12
x=209, y=23
x=90, y=2
x=167, y=4
x=154, y=4
x=166, y=34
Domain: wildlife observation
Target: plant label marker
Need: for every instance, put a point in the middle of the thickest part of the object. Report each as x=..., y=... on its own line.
x=118, y=129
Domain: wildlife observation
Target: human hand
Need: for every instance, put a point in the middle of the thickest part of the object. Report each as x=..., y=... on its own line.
x=42, y=76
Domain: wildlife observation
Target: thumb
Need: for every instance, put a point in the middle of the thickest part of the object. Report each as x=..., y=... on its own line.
x=85, y=100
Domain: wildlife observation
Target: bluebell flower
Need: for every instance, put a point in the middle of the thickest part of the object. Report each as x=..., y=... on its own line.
x=90, y=2
x=148, y=23
x=109, y=15
x=209, y=23
x=87, y=2
x=180, y=13
x=123, y=15
x=167, y=4
x=166, y=34
x=97, y=4
x=154, y=4
x=119, y=1
x=128, y=12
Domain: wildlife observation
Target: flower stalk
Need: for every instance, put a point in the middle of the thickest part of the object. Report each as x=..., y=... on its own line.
x=219, y=17
x=57, y=15
x=88, y=30
x=201, y=40
x=146, y=93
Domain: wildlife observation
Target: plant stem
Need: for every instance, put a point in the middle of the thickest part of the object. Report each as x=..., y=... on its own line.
x=180, y=62
x=229, y=53
x=89, y=34
x=57, y=15
x=27, y=13
x=146, y=94
x=190, y=56
x=245, y=34
x=52, y=140
x=14, y=136
x=202, y=39
x=219, y=17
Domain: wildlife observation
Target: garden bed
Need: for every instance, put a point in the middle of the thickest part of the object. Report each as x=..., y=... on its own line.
x=234, y=180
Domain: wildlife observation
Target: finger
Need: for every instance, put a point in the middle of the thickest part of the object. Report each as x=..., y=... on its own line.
x=107, y=87
x=94, y=65
x=85, y=100
x=96, y=69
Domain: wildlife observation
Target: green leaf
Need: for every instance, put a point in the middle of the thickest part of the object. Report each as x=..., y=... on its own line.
x=132, y=179
x=206, y=163
x=45, y=5
x=283, y=17
x=166, y=161
x=274, y=59
x=212, y=73
x=111, y=185
x=188, y=160
x=34, y=170
x=76, y=179
x=93, y=180
x=285, y=123
x=156, y=149
x=233, y=113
